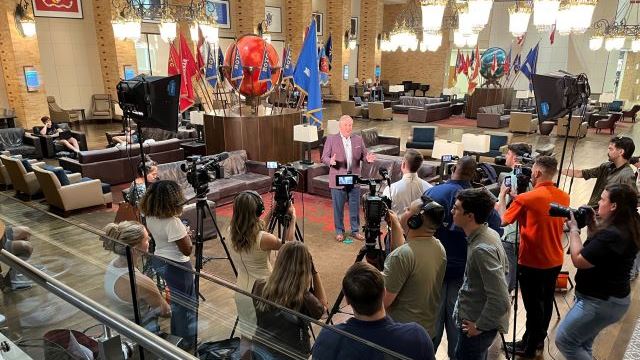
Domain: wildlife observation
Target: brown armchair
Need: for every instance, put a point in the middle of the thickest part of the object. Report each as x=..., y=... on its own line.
x=609, y=122
x=522, y=122
x=350, y=108
x=58, y=114
x=101, y=107
x=631, y=113
x=23, y=182
x=578, y=128
x=76, y=195
x=51, y=148
x=378, y=112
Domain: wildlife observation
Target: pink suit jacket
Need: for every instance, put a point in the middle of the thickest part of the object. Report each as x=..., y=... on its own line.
x=334, y=145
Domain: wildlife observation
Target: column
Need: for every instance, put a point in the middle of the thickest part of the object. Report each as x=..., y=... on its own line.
x=114, y=54
x=338, y=21
x=297, y=16
x=245, y=16
x=16, y=52
x=369, y=54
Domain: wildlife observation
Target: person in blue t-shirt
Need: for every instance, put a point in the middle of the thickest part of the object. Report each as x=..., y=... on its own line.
x=455, y=245
x=363, y=288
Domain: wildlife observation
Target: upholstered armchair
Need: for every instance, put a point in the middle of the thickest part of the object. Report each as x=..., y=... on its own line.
x=101, y=106
x=24, y=181
x=422, y=139
x=350, y=108
x=522, y=122
x=498, y=143
x=58, y=114
x=378, y=112
x=19, y=142
x=78, y=194
x=631, y=113
x=5, y=180
x=50, y=148
x=578, y=128
x=608, y=123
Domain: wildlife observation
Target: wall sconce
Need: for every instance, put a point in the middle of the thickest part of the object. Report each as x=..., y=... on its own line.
x=263, y=31
x=25, y=23
x=350, y=41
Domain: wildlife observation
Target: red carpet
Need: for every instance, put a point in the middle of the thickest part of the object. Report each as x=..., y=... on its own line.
x=455, y=121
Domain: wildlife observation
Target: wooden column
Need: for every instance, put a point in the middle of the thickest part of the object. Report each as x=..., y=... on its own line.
x=338, y=22
x=297, y=15
x=369, y=54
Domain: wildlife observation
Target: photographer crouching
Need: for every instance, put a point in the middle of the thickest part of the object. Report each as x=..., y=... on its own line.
x=603, y=263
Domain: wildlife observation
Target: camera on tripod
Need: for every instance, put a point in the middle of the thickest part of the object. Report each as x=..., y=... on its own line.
x=203, y=169
x=285, y=180
x=582, y=214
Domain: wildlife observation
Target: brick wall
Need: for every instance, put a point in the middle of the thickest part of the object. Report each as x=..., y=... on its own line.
x=630, y=89
x=246, y=16
x=338, y=18
x=423, y=67
x=125, y=53
x=16, y=52
x=371, y=21
x=297, y=14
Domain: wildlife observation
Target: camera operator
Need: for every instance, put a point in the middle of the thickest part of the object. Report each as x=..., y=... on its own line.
x=162, y=206
x=363, y=288
x=289, y=285
x=410, y=187
x=603, y=263
x=515, y=152
x=250, y=249
x=615, y=171
x=414, y=270
x=482, y=309
x=138, y=187
x=540, y=251
x=453, y=240
x=343, y=153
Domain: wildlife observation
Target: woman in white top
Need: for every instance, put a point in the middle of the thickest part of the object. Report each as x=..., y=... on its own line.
x=250, y=250
x=162, y=206
x=117, y=287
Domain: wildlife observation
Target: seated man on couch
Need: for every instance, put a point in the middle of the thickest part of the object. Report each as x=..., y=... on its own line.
x=64, y=136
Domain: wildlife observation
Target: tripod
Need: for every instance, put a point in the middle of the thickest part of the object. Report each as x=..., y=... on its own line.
x=282, y=220
x=202, y=209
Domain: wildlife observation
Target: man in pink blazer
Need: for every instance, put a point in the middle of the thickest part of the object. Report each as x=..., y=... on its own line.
x=343, y=153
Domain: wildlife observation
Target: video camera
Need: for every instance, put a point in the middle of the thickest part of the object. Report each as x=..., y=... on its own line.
x=285, y=179
x=375, y=207
x=203, y=169
x=447, y=165
x=582, y=214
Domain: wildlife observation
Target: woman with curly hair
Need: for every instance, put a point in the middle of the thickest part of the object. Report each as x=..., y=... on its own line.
x=294, y=284
x=162, y=206
x=250, y=249
x=151, y=304
x=603, y=263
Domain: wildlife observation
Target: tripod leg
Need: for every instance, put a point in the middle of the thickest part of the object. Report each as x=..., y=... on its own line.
x=555, y=304
x=299, y=234
x=336, y=305
x=235, y=325
x=504, y=346
x=221, y=238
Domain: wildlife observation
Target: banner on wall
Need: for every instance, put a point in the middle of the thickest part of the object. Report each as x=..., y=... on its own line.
x=71, y=9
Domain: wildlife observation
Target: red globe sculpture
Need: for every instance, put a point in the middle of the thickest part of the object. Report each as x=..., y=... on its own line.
x=251, y=48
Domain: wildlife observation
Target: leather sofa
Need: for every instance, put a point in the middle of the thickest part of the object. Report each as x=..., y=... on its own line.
x=430, y=112
x=240, y=174
x=19, y=142
x=50, y=148
x=492, y=117
x=157, y=134
x=115, y=166
x=413, y=102
x=318, y=177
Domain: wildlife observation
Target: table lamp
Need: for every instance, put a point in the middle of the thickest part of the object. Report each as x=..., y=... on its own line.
x=446, y=147
x=476, y=144
x=333, y=127
x=606, y=99
x=197, y=119
x=306, y=134
x=523, y=97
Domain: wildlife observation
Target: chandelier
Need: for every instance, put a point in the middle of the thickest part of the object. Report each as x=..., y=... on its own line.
x=129, y=14
x=545, y=13
x=519, y=15
x=613, y=34
x=466, y=33
x=432, y=14
x=574, y=16
x=24, y=21
x=479, y=12
x=404, y=35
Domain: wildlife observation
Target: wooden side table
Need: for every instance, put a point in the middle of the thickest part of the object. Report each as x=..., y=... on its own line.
x=302, y=169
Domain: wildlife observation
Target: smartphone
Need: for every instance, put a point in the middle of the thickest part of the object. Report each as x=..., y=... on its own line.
x=272, y=164
x=507, y=181
x=447, y=158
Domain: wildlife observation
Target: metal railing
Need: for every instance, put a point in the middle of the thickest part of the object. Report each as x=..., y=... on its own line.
x=144, y=338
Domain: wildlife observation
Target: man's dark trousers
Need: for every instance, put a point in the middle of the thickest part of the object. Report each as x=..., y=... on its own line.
x=538, y=290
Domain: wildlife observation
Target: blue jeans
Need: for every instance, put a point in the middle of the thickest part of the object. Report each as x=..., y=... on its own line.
x=183, y=298
x=448, y=298
x=475, y=347
x=584, y=321
x=340, y=197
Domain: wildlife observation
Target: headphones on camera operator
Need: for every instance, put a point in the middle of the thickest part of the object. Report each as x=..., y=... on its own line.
x=430, y=208
x=259, y=203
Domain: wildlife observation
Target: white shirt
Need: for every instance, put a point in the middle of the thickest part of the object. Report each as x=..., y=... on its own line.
x=346, y=142
x=166, y=231
x=405, y=191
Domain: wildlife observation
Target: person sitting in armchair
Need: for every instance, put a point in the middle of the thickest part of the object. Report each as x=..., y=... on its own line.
x=64, y=137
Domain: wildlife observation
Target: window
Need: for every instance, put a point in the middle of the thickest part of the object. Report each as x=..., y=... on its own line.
x=152, y=55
